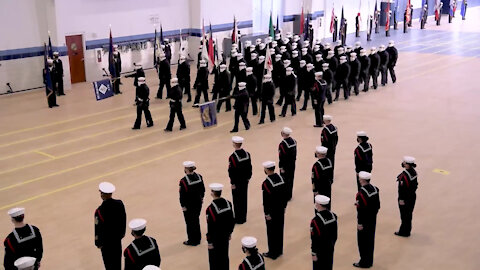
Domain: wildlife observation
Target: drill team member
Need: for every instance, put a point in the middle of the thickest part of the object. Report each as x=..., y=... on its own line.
x=288, y=86
x=201, y=83
x=143, y=250
x=24, y=240
x=252, y=89
x=407, y=187
x=365, y=69
x=368, y=204
x=393, y=55
x=374, y=66
x=192, y=191
x=287, y=156
x=142, y=101
x=139, y=72
x=322, y=174
x=51, y=96
x=301, y=75
x=240, y=172
x=164, y=75
x=274, y=204
x=329, y=137
x=220, y=224
x=110, y=226
x=309, y=81
x=58, y=74
x=117, y=62
x=323, y=231
x=318, y=98
x=341, y=77
x=175, y=106
x=384, y=59
x=329, y=79
x=241, y=106
x=363, y=155
x=224, y=87
x=254, y=260
x=183, y=75
x=267, y=94
x=355, y=67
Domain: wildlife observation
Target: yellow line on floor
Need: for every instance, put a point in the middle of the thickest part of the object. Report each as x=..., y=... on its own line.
x=104, y=175
x=92, y=147
x=107, y=158
x=62, y=121
x=45, y=154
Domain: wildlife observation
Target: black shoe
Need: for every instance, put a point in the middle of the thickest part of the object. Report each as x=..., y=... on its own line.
x=233, y=130
x=189, y=100
x=336, y=99
x=317, y=125
x=182, y=128
x=188, y=243
x=358, y=265
x=195, y=105
x=293, y=114
x=247, y=128
x=261, y=122
x=272, y=120
x=50, y=107
x=268, y=255
x=56, y=105
x=383, y=84
x=228, y=110
x=303, y=109
x=402, y=235
x=167, y=130
x=151, y=125
x=120, y=92
x=158, y=97
x=135, y=127
x=281, y=115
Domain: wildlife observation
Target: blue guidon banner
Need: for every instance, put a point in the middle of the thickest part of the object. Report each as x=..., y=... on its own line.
x=208, y=113
x=103, y=89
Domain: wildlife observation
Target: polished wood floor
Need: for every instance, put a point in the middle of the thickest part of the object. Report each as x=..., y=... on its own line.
x=51, y=161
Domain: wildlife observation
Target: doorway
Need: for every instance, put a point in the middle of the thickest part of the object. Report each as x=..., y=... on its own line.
x=76, y=58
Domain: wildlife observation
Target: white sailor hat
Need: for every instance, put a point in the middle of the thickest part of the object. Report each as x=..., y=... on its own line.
x=274, y=43
x=268, y=164
x=303, y=62
x=327, y=117
x=325, y=65
x=364, y=175
x=321, y=149
x=357, y=44
x=289, y=69
x=361, y=134
x=391, y=43
x=331, y=52
x=318, y=73
x=141, y=80
x=188, y=164
x=287, y=130
x=216, y=186
x=304, y=49
x=17, y=211
x=287, y=62
x=234, y=45
x=310, y=65
x=373, y=49
x=239, y=55
x=242, y=84
x=289, y=34
x=24, y=262
x=55, y=53
x=349, y=47
x=306, y=42
x=106, y=187
x=295, y=52
x=381, y=47
x=261, y=57
x=248, y=43
x=409, y=159
x=249, y=69
x=223, y=66
x=322, y=200
x=138, y=66
x=237, y=139
x=166, y=40
x=115, y=46
x=242, y=64
x=316, y=47
x=343, y=58
x=258, y=40
x=151, y=267
x=267, y=76
x=50, y=61
x=278, y=56
x=272, y=50
x=137, y=224
x=203, y=61
x=249, y=242
x=353, y=54
x=174, y=80
x=253, y=55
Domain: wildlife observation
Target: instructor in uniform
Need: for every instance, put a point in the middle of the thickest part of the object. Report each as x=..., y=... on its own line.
x=240, y=172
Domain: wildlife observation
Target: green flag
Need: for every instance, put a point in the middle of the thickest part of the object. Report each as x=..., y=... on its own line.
x=271, y=32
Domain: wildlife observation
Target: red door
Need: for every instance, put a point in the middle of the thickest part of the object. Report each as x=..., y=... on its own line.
x=76, y=58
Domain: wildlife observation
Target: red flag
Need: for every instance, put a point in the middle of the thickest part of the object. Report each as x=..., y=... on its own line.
x=211, y=55
x=234, y=31
x=302, y=22
x=387, y=24
x=408, y=11
x=332, y=21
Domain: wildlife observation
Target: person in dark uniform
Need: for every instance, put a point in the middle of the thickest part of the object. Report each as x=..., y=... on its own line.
x=308, y=82
x=301, y=74
x=295, y=62
x=411, y=16
x=322, y=174
x=307, y=57
x=24, y=240
x=267, y=94
x=377, y=21
x=139, y=72
x=259, y=71
x=369, y=27
x=363, y=155
x=407, y=187
x=192, y=192
x=354, y=77
x=117, y=62
x=393, y=56
x=329, y=138
x=287, y=156
x=224, y=87
x=58, y=74
x=357, y=25
x=242, y=72
x=337, y=48
x=183, y=75
x=384, y=59
x=241, y=106
x=199, y=55
x=142, y=101
x=332, y=61
x=358, y=47
x=278, y=73
x=323, y=234
x=50, y=92
x=253, y=59
x=175, y=106
x=318, y=62
x=220, y=225
x=247, y=51
x=233, y=65
x=330, y=80
x=365, y=69
x=25, y=263
x=201, y=83
x=252, y=89
x=274, y=189
x=335, y=29
x=254, y=260
x=143, y=250
x=168, y=50
x=110, y=226
x=288, y=85
x=318, y=98
x=164, y=75
x=239, y=172
x=374, y=66
x=405, y=22
x=368, y=204
x=423, y=16
x=341, y=77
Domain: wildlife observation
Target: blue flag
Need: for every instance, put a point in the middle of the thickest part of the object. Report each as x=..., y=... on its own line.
x=277, y=30
x=463, y=9
x=50, y=49
x=155, y=49
x=208, y=113
x=103, y=89
x=342, y=24
x=307, y=34
x=48, y=77
x=424, y=2
x=161, y=35
x=111, y=64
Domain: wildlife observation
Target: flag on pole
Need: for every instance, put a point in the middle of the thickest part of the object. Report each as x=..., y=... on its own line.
x=278, y=26
x=375, y=17
x=208, y=114
x=408, y=11
x=307, y=34
x=50, y=49
x=359, y=10
x=161, y=35
x=271, y=31
x=422, y=9
x=155, y=48
x=211, y=54
x=463, y=9
x=234, y=31
x=204, y=46
x=332, y=20
x=437, y=11
x=342, y=25
x=48, y=77
x=111, y=64
x=268, y=62
x=387, y=11
x=302, y=21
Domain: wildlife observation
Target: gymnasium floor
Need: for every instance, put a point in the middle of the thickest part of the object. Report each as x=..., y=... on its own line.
x=51, y=161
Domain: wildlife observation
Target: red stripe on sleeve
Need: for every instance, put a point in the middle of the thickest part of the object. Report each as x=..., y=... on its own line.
x=283, y=149
x=129, y=255
x=233, y=162
x=266, y=188
x=406, y=180
x=325, y=136
x=10, y=245
x=316, y=226
x=211, y=213
x=316, y=172
x=363, y=198
x=184, y=185
x=358, y=154
x=100, y=215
